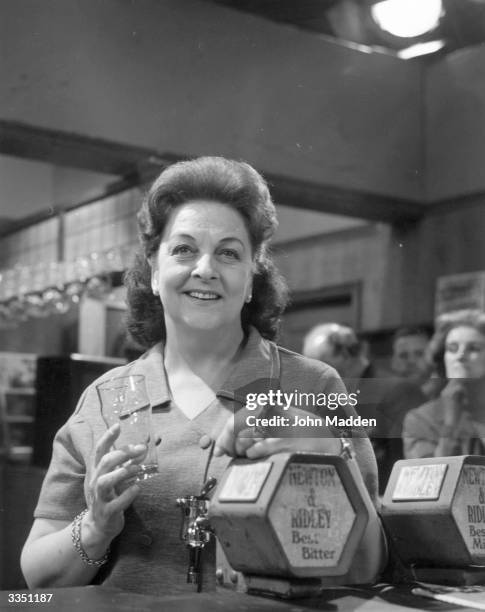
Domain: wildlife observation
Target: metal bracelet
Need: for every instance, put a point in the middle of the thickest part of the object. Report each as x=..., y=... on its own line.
x=76, y=540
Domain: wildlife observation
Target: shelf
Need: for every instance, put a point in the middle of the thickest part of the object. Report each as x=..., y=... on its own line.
x=20, y=450
x=18, y=419
x=20, y=453
x=17, y=404
x=18, y=390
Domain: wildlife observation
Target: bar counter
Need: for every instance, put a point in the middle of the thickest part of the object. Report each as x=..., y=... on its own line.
x=102, y=599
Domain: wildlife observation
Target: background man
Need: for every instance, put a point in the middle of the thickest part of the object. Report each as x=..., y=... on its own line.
x=381, y=397
x=409, y=359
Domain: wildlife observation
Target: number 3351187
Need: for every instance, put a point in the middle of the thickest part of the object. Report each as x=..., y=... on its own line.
x=29, y=597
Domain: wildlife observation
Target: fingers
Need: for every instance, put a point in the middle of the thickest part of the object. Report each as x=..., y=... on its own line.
x=270, y=446
x=114, y=459
x=111, y=489
x=110, y=459
x=114, y=469
x=106, y=442
x=236, y=436
x=225, y=442
x=109, y=495
x=234, y=446
x=107, y=518
x=106, y=485
x=246, y=439
x=124, y=499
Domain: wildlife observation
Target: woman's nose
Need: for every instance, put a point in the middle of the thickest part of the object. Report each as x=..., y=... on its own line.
x=205, y=268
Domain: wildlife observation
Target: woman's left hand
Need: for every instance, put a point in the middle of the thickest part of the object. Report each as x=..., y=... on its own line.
x=270, y=446
x=238, y=439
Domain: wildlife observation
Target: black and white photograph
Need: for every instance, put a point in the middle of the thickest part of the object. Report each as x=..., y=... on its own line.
x=242, y=305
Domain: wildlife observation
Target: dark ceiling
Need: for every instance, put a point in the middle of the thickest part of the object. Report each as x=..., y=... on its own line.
x=462, y=25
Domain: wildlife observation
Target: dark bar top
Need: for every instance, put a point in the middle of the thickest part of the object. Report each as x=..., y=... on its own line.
x=102, y=599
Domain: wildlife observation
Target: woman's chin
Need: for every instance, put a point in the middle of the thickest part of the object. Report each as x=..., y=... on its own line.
x=206, y=323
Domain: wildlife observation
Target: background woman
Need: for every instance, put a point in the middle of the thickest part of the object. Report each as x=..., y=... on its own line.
x=454, y=422
x=205, y=300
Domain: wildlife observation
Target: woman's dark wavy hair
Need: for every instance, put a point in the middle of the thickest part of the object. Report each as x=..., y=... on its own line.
x=216, y=179
x=444, y=324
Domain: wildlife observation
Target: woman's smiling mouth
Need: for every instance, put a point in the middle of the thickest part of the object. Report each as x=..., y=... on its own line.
x=203, y=295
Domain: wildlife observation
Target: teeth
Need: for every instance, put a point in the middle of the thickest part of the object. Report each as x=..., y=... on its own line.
x=203, y=296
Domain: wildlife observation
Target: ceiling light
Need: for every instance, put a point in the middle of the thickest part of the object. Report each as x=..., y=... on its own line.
x=407, y=18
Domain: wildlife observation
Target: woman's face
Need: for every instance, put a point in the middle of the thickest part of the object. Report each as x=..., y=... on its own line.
x=465, y=353
x=204, y=266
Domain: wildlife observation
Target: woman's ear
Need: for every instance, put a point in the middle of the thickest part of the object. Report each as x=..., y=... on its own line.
x=249, y=290
x=152, y=262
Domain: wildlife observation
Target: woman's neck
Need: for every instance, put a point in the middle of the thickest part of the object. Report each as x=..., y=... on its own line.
x=206, y=353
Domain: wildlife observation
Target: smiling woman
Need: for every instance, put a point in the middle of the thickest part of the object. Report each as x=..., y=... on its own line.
x=203, y=270
x=205, y=299
x=219, y=184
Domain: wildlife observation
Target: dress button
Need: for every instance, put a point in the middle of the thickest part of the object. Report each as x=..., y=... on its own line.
x=205, y=441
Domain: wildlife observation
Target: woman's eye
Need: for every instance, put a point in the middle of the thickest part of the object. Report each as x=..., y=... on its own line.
x=182, y=250
x=468, y=348
x=475, y=348
x=229, y=254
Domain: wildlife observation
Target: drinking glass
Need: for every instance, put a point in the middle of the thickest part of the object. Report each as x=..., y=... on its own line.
x=124, y=400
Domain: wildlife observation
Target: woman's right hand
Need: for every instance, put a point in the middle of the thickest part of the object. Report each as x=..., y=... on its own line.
x=111, y=488
x=48, y=557
x=454, y=396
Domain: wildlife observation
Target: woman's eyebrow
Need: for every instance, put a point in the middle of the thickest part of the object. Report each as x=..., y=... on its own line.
x=225, y=240
x=231, y=239
x=181, y=236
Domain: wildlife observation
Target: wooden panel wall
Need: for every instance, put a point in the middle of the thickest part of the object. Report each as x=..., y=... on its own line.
x=397, y=267
x=446, y=243
x=356, y=255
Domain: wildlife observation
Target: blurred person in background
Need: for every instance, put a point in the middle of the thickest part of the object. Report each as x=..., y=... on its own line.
x=454, y=422
x=339, y=346
x=380, y=397
x=409, y=359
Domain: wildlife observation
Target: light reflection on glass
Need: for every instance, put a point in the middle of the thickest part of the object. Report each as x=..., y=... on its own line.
x=47, y=288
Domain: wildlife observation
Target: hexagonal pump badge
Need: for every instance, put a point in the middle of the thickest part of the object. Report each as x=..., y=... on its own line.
x=311, y=515
x=468, y=510
x=434, y=512
x=299, y=515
